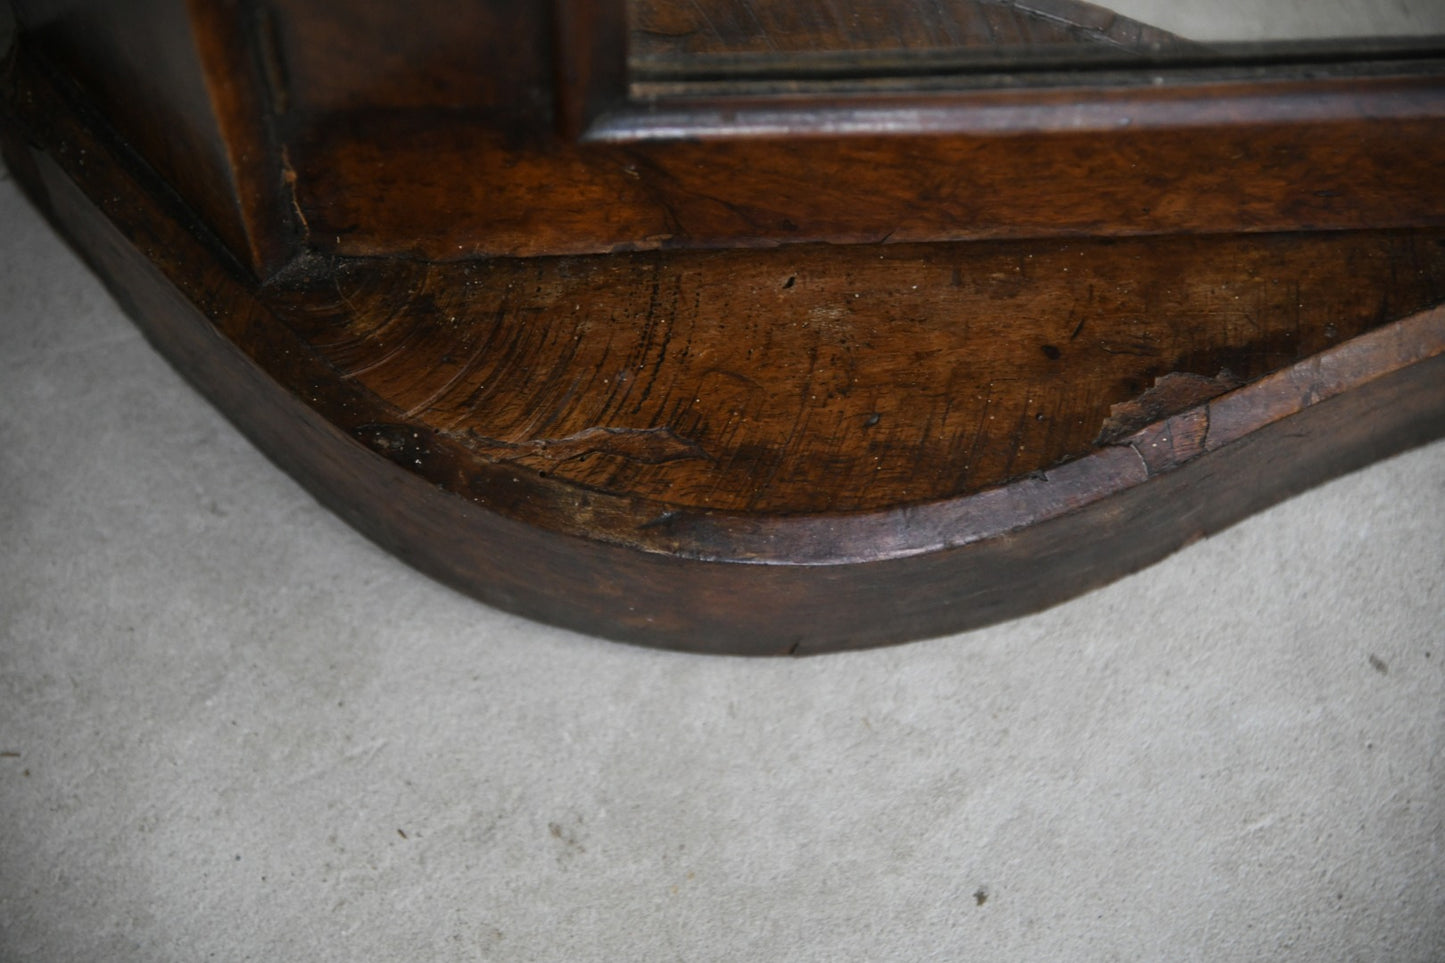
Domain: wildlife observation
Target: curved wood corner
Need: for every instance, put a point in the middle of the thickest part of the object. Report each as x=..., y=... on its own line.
x=992, y=429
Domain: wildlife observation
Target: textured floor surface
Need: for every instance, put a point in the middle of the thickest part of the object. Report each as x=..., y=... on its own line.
x=232, y=729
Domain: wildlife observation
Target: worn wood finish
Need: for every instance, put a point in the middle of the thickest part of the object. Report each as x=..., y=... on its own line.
x=414, y=131
x=178, y=81
x=614, y=535
x=417, y=186
x=783, y=447
x=822, y=380
x=433, y=130
x=680, y=38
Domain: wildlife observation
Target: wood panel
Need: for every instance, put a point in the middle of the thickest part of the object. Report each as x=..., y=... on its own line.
x=822, y=380
x=794, y=448
x=817, y=583
x=664, y=33
x=178, y=80
x=489, y=58
x=430, y=132
x=452, y=192
x=433, y=131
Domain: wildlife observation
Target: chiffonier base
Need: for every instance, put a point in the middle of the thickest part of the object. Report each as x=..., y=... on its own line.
x=787, y=450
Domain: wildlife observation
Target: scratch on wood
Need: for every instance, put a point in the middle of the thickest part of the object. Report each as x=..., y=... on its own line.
x=651, y=446
x=288, y=177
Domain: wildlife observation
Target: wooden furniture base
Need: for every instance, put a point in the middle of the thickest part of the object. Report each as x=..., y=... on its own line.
x=775, y=451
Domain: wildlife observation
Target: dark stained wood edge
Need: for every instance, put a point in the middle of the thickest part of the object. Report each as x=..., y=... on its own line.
x=231, y=45
x=727, y=584
x=1073, y=107
x=456, y=154
x=452, y=191
x=590, y=61
x=721, y=40
x=455, y=140
x=180, y=82
x=137, y=64
x=829, y=380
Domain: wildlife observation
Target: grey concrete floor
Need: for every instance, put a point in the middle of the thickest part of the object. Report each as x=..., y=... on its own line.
x=231, y=728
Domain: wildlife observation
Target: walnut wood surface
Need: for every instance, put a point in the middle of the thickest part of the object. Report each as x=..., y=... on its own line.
x=176, y=79
x=667, y=32
x=451, y=132
x=440, y=139
x=831, y=380
x=788, y=449
x=137, y=64
x=381, y=185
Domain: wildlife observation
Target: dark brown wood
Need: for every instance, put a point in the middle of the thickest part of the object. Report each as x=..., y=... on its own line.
x=178, y=81
x=233, y=43
x=414, y=131
x=590, y=60
x=783, y=447
x=826, y=380
x=678, y=38
x=376, y=185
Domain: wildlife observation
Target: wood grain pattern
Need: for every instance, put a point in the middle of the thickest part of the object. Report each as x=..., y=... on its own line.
x=137, y=64
x=441, y=141
x=391, y=189
x=818, y=380
x=664, y=32
x=793, y=447
x=817, y=583
x=431, y=130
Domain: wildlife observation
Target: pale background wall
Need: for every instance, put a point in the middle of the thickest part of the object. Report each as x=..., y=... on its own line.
x=1287, y=19
x=232, y=729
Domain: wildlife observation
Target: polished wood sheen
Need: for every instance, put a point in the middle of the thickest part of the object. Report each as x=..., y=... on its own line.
x=822, y=380
x=681, y=38
x=744, y=393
